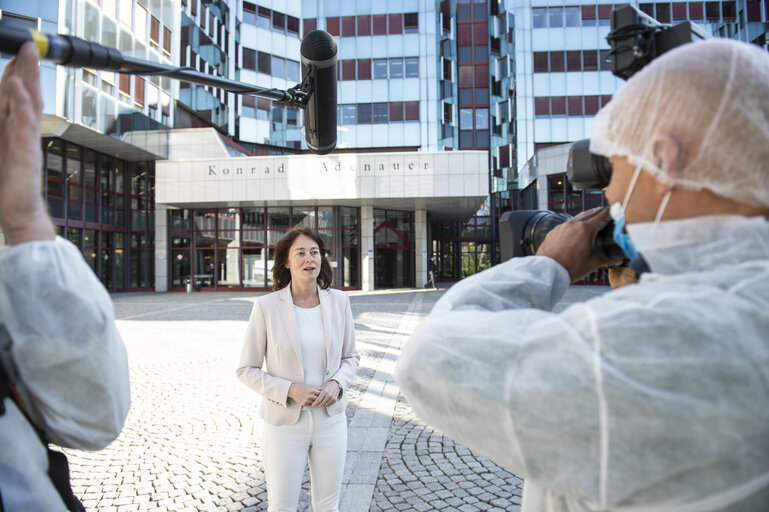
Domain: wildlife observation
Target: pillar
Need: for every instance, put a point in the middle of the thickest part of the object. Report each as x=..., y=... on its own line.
x=367, y=248
x=161, y=248
x=422, y=250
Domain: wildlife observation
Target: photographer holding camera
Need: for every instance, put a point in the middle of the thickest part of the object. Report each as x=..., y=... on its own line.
x=654, y=396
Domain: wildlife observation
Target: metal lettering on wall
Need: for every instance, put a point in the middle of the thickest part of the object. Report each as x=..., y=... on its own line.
x=215, y=170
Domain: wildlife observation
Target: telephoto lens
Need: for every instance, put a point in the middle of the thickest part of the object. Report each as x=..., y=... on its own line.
x=521, y=233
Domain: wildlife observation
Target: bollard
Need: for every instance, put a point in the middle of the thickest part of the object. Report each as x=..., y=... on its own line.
x=189, y=285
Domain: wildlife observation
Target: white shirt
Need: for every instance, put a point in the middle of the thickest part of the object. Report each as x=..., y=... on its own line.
x=309, y=330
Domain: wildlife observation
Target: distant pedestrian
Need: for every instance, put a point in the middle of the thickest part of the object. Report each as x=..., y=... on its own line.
x=432, y=269
x=299, y=354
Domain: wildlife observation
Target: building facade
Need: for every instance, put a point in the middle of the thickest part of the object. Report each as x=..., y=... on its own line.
x=417, y=79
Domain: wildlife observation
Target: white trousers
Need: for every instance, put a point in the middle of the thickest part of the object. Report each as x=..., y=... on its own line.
x=318, y=437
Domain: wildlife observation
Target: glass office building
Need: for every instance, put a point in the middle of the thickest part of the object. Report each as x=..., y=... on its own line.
x=493, y=80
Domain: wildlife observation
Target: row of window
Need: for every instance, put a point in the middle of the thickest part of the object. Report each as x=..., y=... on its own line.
x=562, y=106
x=270, y=65
x=368, y=69
x=268, y=19
x=572, y=60
x=368, y=25
x=267, y=110
x=664, y=12
x=378, y=113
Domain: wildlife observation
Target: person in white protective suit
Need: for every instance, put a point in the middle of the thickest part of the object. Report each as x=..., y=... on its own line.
x=654, y=396
x=59, y=346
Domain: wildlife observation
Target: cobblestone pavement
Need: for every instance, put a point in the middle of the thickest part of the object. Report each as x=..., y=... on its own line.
x=192, y=440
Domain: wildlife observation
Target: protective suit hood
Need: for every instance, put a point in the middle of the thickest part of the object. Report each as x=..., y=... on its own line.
x=701, y=243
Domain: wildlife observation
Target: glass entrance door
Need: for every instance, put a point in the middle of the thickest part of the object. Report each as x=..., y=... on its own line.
x=393, y=249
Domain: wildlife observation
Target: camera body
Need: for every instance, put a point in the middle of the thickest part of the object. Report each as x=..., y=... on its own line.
x=635, y=39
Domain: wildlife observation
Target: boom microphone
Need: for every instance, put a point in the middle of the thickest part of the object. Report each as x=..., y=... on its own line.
x=319, y=70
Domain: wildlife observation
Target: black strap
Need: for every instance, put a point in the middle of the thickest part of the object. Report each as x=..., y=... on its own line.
x=58, y=465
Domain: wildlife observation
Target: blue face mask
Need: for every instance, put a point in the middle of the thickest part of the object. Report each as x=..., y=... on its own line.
x=617, y=212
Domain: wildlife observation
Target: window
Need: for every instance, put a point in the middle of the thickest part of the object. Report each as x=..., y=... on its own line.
x=277, y=112
x=348, y=26
x=555, y=17
x=154, y=30
x=332, y=26
x=679, y=11
x=310, y=24
x=541, y=107
x=263, y=109
x=249, y=107
x=573, y=60
x=292, y=117
x=263, y=62
x=249, y=59
x=663, y=13
x=264, y=17
x=446, y=69
x=481, y=119
x=278, y=21
x=249, y=13
x=380, y=68
x=588, y=16
x=540, y=62
x=558, y=106
x=348, y=114
x=539, y=17
x=412, y=67
x=695, y=11
x=396, y=111
x=364, y=25
x=411, y=109
x=292, y=70
x=380, y=24
x=364, y=69
x=556, y=62
x=410, y=22
x=465, y=119
x=448, y=113
x=292, y=25
x=166, y=41
x=591, y=105
x=364, y=113
x=466, y=76
x=590, y=60
x=396, y=68
x=574, y=105
x=348, y=69
x=573, y=15
x=380, y=112
x=396, y=23
x=278, y=67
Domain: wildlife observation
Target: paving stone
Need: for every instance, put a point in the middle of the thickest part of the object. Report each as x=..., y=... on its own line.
x=193, y=436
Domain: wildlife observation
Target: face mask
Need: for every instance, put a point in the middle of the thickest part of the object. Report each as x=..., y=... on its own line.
x=617, y=213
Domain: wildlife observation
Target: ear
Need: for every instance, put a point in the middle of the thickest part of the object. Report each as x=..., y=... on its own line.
x=668, y=154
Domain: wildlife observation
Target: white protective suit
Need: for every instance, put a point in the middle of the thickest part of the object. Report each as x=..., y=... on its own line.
x=58, y=338
x=652, y=397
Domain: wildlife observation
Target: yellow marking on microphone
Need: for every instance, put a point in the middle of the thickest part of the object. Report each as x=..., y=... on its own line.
x=41, y=40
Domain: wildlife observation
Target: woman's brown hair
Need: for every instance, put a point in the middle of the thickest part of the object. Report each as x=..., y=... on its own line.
x=281, y=276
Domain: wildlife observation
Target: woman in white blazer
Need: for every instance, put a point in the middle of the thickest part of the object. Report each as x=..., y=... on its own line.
x=299, y=354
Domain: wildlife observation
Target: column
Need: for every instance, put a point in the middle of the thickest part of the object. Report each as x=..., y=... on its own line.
x=367, y=248
x=161, y=248
x=420, y=246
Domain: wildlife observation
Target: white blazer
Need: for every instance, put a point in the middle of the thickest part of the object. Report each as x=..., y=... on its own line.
x=271, y=359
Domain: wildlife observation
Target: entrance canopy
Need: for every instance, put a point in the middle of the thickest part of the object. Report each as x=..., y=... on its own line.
x=449, y=185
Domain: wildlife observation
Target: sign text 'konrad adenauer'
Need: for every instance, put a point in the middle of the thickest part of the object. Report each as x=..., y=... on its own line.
x=281, y=169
